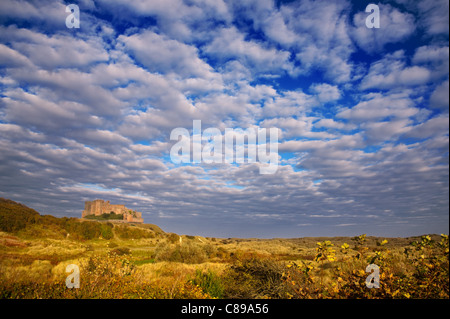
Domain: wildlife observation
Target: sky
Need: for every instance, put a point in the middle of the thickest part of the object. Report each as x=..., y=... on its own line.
x=362, y=114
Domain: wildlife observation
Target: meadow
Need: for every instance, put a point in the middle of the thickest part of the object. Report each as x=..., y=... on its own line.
x=119, y=260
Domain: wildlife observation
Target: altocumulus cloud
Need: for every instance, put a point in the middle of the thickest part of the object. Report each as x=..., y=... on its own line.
x=362, y=114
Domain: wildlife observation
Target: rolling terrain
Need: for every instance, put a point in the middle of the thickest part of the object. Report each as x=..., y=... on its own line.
x=118, y=260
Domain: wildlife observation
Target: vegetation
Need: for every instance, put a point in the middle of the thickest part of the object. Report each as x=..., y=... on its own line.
x=133, y=232
x=19, y=219
x=141, y=261
x=108, y=216
x=15, y=216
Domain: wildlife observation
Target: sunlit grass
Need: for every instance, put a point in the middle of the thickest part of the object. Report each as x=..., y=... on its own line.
x=165, y=267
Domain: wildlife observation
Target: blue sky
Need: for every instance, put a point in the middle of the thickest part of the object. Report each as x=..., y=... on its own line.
x=362, y=114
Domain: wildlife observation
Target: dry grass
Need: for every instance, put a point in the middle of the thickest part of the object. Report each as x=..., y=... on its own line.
x=231, y=268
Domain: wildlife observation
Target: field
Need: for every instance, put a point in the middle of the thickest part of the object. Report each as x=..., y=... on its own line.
x=119, y=260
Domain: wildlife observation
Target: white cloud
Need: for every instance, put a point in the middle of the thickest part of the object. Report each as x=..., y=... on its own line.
x=323, y=39
x=229, y=43
x=434, y=16
x=178, y=19
x=375, y=106
x=50, y=13
x=392, y=71
x=57, y=51
x=276, y=29
x=431, y=54
x=436, y=126
x=374, y=39
x=161, y=54
x=332, y=124
x=379, y=132
x=289, y=103
x=295, y=128
x=12, y=58
x=440, y=97
x=435, y=58
x=325, y=92
x=36, y=111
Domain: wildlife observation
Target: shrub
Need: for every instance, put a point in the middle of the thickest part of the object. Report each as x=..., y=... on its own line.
x=112, y=245
x=42, y=231
x=15, y=216
x=105, y=216
x=121, y=251
x=83, y=230
x=106, y=231
x=173, y=238
x=209, y=282
x=131, y=232
x=255, y=278
x=190, y=253
x=426, y=276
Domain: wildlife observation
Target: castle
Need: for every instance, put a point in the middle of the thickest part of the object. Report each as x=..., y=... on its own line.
x=99, y=207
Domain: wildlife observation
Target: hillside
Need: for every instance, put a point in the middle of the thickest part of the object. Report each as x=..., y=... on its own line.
x=23, y=221
x=15, y=216
x=121, y=260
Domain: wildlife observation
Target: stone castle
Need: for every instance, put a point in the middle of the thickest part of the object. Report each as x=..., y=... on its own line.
x=99, y=207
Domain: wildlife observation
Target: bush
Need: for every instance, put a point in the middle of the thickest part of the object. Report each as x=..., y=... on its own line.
x=121, y=251
x=106, y=230
x=112, y=245
x=189, y=253
x=15, y=216
x=209, y=282
x=130, y=232
x=173, y=238
x=83, y=230
x=42, y=231
x=426, y=276
x=255, y=278
x=105, y=216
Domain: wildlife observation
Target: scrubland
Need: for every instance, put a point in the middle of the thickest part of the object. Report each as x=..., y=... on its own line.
x=142, y=261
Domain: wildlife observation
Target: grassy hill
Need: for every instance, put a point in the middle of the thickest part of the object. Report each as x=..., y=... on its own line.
x=15, y=216
x=25, y=222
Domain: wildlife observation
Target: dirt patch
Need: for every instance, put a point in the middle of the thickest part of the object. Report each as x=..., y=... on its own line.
x=11, y=241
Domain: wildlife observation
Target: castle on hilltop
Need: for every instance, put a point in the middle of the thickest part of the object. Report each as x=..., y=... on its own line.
x=99, y=207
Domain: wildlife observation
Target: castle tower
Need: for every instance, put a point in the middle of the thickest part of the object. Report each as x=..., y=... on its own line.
x=93, y=208
x=98, y=207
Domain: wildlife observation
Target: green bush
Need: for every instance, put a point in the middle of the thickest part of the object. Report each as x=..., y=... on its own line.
x=15, y=216
x=88, y=230
x=190, y=253
x=209, y=282
x=106, y=230
x=121, y=251
x=105, y=216
x=130, y=232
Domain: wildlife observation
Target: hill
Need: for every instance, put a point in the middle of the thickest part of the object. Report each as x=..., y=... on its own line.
x=21, y=220
x=15, y=216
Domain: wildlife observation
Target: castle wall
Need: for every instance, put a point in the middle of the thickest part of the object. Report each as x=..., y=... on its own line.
x=93, y=207
x=99, y=207
x=133, y=218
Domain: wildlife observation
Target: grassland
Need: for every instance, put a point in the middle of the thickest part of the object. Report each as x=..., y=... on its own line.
x=119, y=260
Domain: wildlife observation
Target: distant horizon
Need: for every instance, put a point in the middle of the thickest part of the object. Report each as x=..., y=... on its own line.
x=355, y=92
x=254, y=237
